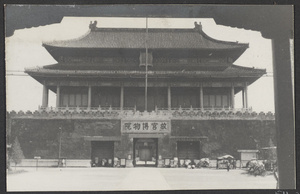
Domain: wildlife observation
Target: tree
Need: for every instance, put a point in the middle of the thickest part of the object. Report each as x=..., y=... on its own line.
x=17, y=153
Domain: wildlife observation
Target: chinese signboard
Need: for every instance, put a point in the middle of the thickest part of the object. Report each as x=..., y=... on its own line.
x=145, y=126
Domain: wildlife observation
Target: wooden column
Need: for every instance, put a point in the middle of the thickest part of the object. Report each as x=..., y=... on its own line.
x=201, y=97
x=232, y=96
x=122, y=98
x=89, y=96
x=57, y=96
x=243, y=97
x=45, y=96
x=246, y=95
x=284, y=109
x=169, y=98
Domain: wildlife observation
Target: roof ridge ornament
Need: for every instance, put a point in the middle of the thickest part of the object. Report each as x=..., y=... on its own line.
x=93, y=25
x=198, y=26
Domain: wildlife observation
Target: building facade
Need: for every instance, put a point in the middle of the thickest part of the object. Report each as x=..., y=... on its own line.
x=141, y=97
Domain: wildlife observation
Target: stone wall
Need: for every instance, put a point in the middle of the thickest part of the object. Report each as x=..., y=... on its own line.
x=124, y=147
x=227, y=136
x=40, y=137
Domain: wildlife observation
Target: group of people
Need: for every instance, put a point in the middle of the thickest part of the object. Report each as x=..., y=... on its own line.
x=103, y=162
x=256, y=167
x=229, y=164
x=190, y=164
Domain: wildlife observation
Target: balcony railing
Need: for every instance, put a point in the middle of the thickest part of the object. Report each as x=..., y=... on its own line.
x=132, y=112
x=133, y=109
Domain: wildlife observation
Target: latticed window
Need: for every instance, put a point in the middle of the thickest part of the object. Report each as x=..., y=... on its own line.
x=74, y=100
x=143, y=59
x=213, y=100
x=74, y=97
x=106, y=96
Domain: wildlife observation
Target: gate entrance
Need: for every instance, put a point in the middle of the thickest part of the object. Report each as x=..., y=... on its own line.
x=102, y=153
x=145, y=151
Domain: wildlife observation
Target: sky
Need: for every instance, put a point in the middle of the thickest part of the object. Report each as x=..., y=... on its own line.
x=24, y=50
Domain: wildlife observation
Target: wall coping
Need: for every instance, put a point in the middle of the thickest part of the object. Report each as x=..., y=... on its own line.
x=136, y=115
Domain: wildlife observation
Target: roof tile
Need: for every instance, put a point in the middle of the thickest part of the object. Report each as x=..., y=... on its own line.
x=157, y=38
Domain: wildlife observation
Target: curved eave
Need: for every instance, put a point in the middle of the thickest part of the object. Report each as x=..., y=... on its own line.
x=57, y=51
x=243, y=46
x=42, y=74
x=240, y=50
x=222, y=41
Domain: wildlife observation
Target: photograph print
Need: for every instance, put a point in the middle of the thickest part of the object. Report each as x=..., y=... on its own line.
x=149, y=97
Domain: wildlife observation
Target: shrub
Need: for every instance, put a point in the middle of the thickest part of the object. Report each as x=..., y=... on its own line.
x=17, y=153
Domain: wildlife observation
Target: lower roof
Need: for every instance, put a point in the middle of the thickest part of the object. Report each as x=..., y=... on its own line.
x=84, y=66
x=231, y=71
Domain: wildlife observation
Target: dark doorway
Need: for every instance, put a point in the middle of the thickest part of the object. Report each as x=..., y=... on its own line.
x=102, y=153
x=188, y=149
x=145, y=151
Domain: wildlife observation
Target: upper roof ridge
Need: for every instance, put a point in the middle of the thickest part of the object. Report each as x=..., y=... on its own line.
x=93, y=27
x=158, y=38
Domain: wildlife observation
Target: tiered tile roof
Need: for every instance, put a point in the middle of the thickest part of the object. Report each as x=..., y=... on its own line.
x=134, y=38
x=108, y=39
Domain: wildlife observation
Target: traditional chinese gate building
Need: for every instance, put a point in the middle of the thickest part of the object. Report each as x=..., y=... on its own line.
x=106, y=108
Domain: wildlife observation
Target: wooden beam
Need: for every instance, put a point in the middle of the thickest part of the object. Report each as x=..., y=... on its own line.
x=136, y=83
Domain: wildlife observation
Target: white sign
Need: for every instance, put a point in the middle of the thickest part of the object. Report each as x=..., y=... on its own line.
x=145, y=126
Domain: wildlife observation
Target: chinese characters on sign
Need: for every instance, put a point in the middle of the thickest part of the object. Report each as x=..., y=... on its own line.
x=145, y=127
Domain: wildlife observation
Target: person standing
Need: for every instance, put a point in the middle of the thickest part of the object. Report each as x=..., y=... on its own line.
x=234, y=164
x=228, y=166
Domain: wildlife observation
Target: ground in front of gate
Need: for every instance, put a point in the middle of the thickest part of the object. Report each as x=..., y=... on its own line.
x=104, y=179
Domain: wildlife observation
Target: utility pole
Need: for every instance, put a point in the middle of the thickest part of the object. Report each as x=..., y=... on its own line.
x=59, y=148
